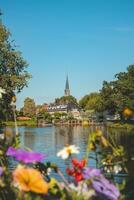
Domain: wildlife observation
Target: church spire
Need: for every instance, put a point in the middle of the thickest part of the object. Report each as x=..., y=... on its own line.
x=67, y=90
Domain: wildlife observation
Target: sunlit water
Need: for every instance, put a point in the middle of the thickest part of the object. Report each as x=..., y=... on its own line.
x=49, y=140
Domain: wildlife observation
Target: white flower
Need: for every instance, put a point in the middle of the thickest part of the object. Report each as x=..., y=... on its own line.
x=117, y=169
x=49, y=171
x=82, y=189
x=67, y=151
x=2, y=91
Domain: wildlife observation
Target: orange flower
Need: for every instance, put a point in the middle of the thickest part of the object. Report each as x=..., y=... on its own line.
x=28, y=179
x=127, y=112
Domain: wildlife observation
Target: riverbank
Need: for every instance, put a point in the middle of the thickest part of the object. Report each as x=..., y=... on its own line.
x=29, y=123
x=33, y=123
x=119, y=125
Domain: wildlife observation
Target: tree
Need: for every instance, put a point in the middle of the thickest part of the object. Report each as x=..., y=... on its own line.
x=66, y=100
x=91, y=102
x=119, y=94
x=13, y=74
x=42, y=114
x=29, y=108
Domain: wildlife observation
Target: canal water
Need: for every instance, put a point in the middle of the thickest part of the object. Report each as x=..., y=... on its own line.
x=49, y=140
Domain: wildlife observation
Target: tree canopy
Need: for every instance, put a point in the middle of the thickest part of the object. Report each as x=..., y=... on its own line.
x=13, y=74
x=29, y=108
x=65, y=100
x=119, y=94
x=91, y=101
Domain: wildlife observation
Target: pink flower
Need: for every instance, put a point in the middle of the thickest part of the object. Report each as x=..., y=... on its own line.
x=25, y=156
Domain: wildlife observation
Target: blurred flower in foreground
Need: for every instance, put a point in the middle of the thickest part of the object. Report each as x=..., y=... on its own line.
x=1, y=171
x=127, y=112
x=67, y=151
x=101, y=185
x=25, y=156
x=117, y=169
x=77, y=170
x=28, y=179
x=2, y=91
x=82, y=189
x=91, y=172
x=105, y=188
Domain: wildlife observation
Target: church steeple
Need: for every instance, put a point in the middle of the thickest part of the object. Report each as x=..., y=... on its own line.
x=67, y=90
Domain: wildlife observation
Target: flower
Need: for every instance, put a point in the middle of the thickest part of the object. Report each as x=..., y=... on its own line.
x=1, y=171
x=2, y=91
x=67, y=151
x=105, y=188
x=117, y=169
x=77, y=174
x=91, y=172
x=83, y=190
x=79, y=164
x=52, y=183
x=101, y=185
x=25, y=156
x=28, y=179
x=11, y=152
x=127, y=112
x=77, y=170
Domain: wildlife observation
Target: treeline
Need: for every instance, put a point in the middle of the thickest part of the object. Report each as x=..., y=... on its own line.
x=115, y=97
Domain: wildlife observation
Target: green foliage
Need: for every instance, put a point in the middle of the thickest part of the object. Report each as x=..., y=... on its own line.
x=29, y=108
x=29, y=123
x=13, y=74
x=91, y=102
x=66, y=100
x=118, y=95
x=57, y=115
x=42, y=114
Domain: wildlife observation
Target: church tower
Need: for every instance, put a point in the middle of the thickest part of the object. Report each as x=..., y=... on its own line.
x=67, y=90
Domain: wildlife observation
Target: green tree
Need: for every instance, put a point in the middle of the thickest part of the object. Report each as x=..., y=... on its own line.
x=66, y=100
x=91, y=102
x=29, y=108
x=42, y=114
x=118, y=95
x=13, y=74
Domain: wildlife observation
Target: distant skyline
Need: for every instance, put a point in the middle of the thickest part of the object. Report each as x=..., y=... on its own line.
x=90, y=40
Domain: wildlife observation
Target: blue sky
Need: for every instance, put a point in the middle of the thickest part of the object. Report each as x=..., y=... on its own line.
x=91, y=40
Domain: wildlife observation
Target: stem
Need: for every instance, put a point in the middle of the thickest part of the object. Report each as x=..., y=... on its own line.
x=63, y=178
x=15, y=121
x=88, y=150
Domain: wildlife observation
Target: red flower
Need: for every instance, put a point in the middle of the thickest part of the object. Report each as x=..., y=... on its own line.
x=78, y=164
x=69, y=171
x=76, y=171
x=78, y=176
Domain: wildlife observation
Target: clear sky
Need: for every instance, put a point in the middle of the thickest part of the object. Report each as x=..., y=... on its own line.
x=91, y=40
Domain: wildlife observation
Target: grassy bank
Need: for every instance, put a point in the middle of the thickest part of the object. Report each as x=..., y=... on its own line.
x=21, y=123
x=129, y=127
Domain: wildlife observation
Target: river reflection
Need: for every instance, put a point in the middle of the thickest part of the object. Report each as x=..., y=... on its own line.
x=50, y=140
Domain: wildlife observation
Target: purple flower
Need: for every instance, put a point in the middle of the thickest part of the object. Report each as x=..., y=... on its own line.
x=1, y=171
x=25, y=156
x=91, y=173
x=105, y=188
x=11, y=152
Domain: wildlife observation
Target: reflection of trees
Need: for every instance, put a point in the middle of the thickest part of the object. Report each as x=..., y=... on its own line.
x=29, y=139
x=63, y=136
